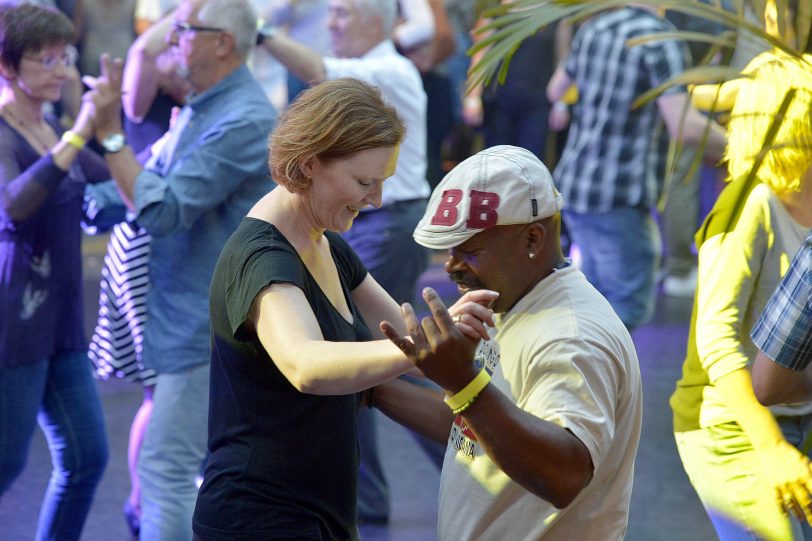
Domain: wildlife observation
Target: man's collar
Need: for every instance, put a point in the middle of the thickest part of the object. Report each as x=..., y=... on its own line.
x=383, y=48
x=236, y=77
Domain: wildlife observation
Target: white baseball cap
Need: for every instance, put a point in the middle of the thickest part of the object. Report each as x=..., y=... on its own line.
x=501, y=185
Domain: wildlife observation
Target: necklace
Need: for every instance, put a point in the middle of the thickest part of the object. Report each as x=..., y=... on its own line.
x=7, y=112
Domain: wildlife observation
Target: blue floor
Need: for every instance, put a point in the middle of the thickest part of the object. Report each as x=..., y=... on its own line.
x=664, y=506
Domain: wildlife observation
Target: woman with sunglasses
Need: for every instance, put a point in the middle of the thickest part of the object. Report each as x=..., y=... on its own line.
x=45, y=374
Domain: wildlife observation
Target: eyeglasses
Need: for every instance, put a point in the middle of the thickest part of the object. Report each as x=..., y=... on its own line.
x=50, y=62
x=181, y=27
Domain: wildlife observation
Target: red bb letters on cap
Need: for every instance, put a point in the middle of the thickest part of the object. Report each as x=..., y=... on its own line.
x=481, y=213
x=447, y=209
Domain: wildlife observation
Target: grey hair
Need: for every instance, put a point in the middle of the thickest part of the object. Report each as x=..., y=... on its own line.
x=387, y=10
x=237, y=17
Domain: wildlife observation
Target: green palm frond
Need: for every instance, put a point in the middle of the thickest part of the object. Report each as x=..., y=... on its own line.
x=726, y=39
x=691, y=76
x=769, y=139
x=511, y=23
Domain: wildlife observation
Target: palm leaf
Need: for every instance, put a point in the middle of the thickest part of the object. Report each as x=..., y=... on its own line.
x=769, y=138
x=691, y=76
x=511, y=23
x=726, y=39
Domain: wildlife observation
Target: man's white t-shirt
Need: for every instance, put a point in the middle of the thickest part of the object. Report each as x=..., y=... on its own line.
x=561, y=354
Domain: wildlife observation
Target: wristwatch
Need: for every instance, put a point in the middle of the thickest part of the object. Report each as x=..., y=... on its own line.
x=265, y=32
x=113, y=143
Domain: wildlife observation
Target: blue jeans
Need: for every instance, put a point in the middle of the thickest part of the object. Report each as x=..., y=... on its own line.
x=515, y=117
x=383, y=240
x=619, y=256
x=60, y=394
x=173, y=449
x=457, y=65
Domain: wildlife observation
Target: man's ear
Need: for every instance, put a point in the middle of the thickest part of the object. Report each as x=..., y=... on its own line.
x=374, y=23
x=536, y=237
x=225, y=44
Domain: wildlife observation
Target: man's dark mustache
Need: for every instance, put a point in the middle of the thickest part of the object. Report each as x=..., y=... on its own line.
x=465, y=280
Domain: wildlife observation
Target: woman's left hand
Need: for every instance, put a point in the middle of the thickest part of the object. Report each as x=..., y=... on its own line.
x=472, y=313
x=789, y=471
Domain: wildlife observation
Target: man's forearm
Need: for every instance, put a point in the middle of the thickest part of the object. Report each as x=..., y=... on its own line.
x=124, y=168
x=305, y=63
x=418, y=408
x=716, y=140
x=515, y=439
x=686, y=124
x=558, y=85
x=774, y=384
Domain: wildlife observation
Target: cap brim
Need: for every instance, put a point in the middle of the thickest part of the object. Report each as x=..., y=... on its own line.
x=442, y=241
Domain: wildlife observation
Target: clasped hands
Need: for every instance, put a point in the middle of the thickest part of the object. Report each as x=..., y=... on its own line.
x=100, y=112
x=443, y=344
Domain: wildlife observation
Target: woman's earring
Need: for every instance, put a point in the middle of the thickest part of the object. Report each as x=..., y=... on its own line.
x=531, y=255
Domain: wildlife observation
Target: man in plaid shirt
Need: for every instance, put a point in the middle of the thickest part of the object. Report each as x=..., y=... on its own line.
x=608, y=170
x=783, y=333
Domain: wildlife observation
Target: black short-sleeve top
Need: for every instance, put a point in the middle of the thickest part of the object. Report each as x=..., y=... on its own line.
x=283, y=464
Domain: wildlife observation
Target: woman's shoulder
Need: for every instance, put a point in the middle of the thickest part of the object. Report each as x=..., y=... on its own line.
x=254, y=233
x=7, y=132
x=258, y=247
x=760, y=205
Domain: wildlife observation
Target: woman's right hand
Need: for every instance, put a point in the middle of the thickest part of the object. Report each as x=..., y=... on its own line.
x=789, y=471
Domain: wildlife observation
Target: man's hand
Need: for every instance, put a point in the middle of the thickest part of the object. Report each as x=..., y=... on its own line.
x=105, y=93
x=789, y=472
x=422, y=56
x=437, y=346
x=559, y=117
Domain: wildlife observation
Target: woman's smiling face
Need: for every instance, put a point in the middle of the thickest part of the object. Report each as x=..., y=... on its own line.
x=344, y=186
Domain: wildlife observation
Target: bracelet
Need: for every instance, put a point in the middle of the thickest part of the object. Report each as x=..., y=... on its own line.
x=466, y=405
x=74, y=139
x=463, y=399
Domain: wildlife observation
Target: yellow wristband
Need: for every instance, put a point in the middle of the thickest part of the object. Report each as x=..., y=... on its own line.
x=74, y=139
x=469, y=392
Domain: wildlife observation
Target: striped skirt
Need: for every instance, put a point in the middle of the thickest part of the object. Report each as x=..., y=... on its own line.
x=115, y=348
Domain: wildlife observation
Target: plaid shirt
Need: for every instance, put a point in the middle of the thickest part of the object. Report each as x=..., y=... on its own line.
x=784, y=330
x=611, y=158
